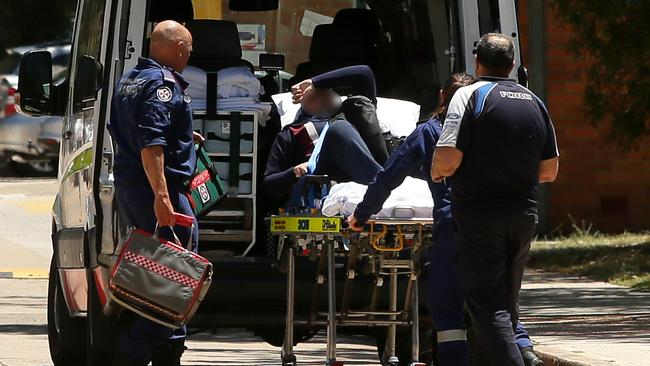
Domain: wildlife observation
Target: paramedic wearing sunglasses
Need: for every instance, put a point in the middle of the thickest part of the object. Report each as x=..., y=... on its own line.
x=341, y=140
x=497, y=145
x=151, y=124
x=444, y=294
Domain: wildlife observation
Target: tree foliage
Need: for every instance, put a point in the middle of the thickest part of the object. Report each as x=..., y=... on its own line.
x=26, y=22
x=614, y=36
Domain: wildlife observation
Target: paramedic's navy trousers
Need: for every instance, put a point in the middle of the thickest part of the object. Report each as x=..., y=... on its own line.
x=143, y=336
x=445, y=296
x=493, y=244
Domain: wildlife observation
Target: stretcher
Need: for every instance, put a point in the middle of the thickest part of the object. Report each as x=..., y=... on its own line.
x=386, y=249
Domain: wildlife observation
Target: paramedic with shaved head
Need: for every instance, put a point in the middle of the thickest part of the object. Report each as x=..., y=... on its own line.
x=151, y=124
x=497, y=145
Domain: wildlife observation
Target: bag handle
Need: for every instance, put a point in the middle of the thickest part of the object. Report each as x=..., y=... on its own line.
x=181, y=220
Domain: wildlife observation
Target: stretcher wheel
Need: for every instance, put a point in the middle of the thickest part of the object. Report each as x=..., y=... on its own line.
x=403, y=346
x=392, y=361
x=289, y=360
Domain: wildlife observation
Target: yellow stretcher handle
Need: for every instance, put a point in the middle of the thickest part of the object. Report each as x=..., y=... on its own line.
x=376, y=238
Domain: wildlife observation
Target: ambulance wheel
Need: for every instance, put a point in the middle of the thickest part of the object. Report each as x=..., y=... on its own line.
x=66, y=335
x=103, y=332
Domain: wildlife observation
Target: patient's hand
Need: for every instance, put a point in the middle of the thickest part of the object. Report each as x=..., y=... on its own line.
x=301, y=89
x=301, y=169
x=354, y=225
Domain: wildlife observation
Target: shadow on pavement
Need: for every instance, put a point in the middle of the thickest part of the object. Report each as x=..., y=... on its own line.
x=27, y=329
x=242, y=348
x=579, y=309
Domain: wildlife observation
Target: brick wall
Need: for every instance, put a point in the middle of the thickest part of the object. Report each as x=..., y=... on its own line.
x=598, y=182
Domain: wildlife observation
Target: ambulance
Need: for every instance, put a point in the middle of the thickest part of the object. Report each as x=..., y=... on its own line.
x=411, y=45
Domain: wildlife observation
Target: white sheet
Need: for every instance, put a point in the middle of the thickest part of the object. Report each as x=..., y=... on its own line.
x=412, y=199
x=232, y=82
x=397, y=116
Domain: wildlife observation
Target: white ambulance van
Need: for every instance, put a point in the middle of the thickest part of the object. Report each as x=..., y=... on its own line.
x=411, y=45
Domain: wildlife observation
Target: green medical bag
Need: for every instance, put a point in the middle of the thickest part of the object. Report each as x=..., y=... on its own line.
x=205, y=187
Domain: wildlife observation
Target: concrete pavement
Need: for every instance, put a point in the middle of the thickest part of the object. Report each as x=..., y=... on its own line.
x=586, y=322
x=25, y=225
x=23, y=337
x=571, y=319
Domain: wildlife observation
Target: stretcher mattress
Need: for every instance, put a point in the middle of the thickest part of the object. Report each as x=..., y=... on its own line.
x=412, y=199
x=399, y=117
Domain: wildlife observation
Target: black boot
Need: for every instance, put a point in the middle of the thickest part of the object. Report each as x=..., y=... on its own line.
x=121, y=360
x=169, y=354
x=530, y=358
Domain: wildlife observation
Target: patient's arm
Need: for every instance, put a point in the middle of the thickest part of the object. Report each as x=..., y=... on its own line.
x=360, y=79
x=279, y=176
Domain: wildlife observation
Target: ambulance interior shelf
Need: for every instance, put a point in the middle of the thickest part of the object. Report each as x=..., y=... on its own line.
x=231, y=143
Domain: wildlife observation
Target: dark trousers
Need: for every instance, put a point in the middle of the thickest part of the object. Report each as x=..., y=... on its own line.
x=344, y=155
x=493, y=247
x=445, y=296
x=143, y=336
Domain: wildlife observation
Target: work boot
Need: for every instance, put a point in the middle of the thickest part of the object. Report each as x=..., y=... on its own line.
x=169, y=354
x=121, y=360
x=530, y=358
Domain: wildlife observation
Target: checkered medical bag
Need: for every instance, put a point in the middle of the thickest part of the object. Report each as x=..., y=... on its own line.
x=205, y=187
x=158, y=279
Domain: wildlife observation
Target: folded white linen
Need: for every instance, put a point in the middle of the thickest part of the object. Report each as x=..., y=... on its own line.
x=412, y=199
x=238, y=81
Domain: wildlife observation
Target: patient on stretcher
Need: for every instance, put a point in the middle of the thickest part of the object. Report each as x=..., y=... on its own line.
x=328, y=137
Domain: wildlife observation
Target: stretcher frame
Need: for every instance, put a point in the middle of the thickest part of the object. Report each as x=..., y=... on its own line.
x=386, y=262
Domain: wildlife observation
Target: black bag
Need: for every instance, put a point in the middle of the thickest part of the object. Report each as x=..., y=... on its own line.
x=362, y=114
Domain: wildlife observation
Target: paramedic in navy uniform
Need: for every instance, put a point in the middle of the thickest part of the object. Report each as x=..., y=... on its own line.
x=497, y=145
x=151, y=124
x=444, y=294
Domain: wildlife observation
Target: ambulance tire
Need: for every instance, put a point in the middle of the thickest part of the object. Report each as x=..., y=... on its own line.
x=103, y=331
x=66, y=335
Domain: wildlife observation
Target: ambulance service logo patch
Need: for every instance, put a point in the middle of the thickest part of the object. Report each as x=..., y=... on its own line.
x=204, y=193
x=164, y=94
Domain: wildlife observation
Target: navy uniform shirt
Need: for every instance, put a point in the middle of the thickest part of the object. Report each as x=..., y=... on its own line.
x=150, y=108
x=412, y=158
x=503, y=131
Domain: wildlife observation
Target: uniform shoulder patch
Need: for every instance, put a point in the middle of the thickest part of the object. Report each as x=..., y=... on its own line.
x=164, y=94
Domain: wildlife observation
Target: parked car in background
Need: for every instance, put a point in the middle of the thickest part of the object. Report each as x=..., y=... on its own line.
x=29, y=144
